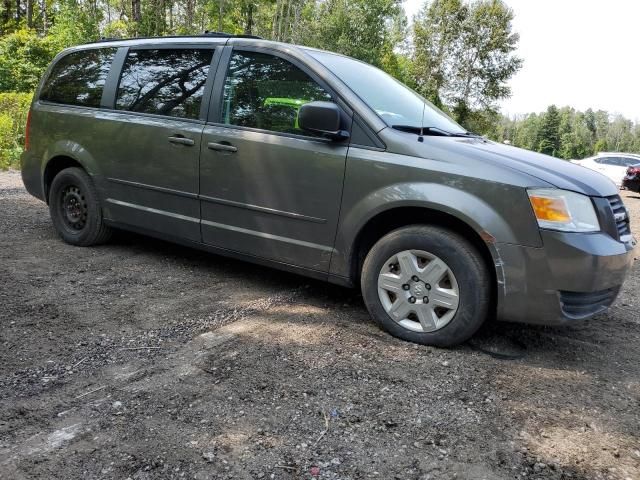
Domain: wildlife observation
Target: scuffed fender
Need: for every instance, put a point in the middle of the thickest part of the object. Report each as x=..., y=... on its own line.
x=469, y=209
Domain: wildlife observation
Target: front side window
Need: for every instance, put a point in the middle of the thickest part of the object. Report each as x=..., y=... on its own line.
x=164, y=81
x=78, y=78
x=266, y=92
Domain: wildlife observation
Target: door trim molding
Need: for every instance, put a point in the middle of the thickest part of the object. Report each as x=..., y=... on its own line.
x=268, y=236
x=257, y=208
x=220, y=201
x=153, y=210
x=155, y=188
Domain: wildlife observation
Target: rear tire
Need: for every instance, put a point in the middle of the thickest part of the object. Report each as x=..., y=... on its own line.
x=75, y=209
x=427, y=285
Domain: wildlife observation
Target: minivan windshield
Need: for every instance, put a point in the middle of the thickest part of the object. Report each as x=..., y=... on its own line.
x=395, y=103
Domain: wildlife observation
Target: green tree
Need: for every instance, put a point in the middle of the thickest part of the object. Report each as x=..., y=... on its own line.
x=436, y=31
x=580, y=134
x=600, y=146
x=358, y=28
x=13, y=114
x=549, y=134
x=620, y=136
x=464, y=56
x=24, y=56
x=75, y=23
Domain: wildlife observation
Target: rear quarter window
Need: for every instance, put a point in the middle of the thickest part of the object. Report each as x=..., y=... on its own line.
x=78, y=78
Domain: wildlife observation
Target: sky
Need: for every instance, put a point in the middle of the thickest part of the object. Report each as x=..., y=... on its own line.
x=581, y=53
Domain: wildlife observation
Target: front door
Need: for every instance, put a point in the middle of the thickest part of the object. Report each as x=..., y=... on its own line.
x=268, y=188
x=154, y=137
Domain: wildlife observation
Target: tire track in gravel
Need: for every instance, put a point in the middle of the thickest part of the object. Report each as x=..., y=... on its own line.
x=150, y=344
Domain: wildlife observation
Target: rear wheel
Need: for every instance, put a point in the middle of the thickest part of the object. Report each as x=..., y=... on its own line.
x=75, y=209
x=427, y=285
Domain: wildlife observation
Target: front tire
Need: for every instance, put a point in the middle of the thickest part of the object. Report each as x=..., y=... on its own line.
x=75, y=209
x=427, y=285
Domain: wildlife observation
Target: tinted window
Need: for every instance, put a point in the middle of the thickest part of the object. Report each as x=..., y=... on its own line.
x=607, y=160
x=266, y=92
x=164, y=82
x=78, y=78
x=628, y=161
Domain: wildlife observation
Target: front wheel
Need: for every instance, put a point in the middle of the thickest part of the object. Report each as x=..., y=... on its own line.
x=75, y=209
x=427, y=285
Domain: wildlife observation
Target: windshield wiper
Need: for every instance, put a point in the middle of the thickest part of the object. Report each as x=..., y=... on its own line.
x=466, y=135
x=432, y=131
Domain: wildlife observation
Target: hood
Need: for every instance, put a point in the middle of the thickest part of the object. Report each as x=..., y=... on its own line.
x=559, y=173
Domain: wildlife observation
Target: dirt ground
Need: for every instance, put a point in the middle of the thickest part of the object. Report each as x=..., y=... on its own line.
x=144, y=360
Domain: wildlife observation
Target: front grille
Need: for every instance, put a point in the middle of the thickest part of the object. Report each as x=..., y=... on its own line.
x=620, y=215
x=579, y=305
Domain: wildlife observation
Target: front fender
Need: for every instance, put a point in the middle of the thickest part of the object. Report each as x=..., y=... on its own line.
x=470, y=209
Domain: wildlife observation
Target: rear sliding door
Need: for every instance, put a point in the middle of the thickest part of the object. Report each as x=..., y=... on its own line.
x=151, y=143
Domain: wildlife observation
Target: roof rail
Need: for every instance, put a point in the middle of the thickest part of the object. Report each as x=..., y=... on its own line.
x=229, y=35
x=206, y=33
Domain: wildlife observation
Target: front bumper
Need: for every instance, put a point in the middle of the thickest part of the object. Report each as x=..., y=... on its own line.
x=572, y=277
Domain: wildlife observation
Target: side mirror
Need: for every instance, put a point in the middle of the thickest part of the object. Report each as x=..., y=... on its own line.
x=322, y=118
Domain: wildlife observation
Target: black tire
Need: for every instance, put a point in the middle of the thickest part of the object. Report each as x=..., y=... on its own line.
x=464, y=261
x=75, y=209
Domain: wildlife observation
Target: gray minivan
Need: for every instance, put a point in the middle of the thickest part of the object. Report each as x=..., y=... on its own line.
x=320, y=164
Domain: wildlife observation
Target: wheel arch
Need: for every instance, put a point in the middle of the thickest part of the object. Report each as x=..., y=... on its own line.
x=362, y=223
x=54, y=166
x=64, y=154
x=397, y=217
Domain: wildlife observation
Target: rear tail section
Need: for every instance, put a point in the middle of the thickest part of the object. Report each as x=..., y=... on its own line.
x=27, y=131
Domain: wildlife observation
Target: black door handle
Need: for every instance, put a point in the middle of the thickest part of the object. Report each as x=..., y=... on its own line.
x=180, y=140
x=222, y=147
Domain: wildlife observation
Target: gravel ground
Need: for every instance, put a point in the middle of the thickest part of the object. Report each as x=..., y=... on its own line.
x=143, y=360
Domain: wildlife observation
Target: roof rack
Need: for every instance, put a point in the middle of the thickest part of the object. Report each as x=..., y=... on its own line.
x=206, y=33
x=228, y=35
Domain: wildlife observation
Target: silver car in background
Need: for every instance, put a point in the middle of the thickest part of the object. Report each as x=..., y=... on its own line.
x=611, y=165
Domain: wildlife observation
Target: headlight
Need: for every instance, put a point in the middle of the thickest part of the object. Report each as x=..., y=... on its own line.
x=563, y=210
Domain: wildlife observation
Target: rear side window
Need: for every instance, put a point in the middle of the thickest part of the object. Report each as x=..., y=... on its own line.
x=266, y=92
x=78, y=78
x=607, y=160
x=164, y=81
x=627, y=161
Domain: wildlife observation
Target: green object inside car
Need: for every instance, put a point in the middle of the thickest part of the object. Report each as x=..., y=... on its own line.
x=294, y=103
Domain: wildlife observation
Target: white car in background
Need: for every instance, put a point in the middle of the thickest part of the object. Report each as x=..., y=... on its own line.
x=612, y=165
